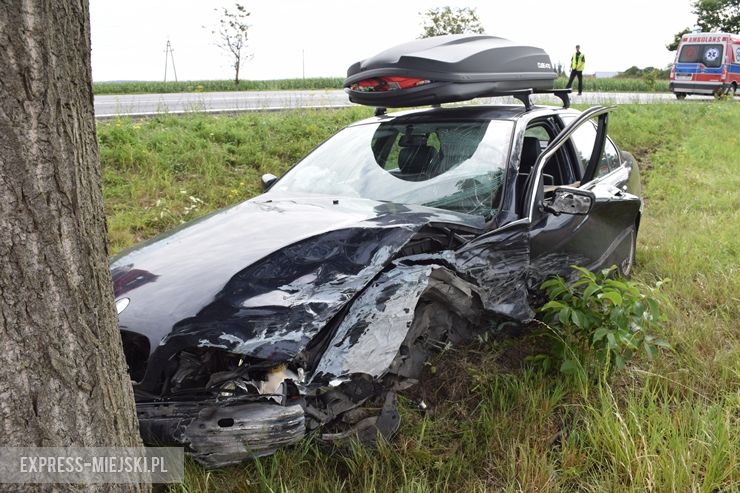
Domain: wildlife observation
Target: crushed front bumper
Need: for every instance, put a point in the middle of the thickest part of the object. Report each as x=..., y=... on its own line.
x=218, y=434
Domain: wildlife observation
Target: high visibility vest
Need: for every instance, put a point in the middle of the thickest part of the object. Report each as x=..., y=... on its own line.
x=578, y=62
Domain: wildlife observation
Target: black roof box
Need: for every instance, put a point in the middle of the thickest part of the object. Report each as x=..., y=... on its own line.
x=455, y=67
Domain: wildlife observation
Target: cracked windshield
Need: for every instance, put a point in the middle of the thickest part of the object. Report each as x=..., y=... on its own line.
x=457, y=166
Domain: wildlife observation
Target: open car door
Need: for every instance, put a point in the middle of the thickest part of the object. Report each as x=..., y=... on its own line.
x=591, y=223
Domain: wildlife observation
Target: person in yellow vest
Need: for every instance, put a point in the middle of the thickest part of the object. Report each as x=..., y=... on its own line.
x=577, y=63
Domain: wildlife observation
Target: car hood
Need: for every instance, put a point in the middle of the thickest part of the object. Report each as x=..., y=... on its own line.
x=264, y=276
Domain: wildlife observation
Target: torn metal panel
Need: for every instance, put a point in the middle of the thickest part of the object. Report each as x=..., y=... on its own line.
x=371, y=333
x=499, y=264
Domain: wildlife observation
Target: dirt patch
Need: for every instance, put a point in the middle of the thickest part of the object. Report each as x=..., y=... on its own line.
x=449, y=378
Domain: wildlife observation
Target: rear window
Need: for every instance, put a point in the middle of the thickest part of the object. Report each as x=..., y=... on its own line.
x=708, y=54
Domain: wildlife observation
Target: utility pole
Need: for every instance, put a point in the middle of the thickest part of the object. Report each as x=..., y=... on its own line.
x=169, y=54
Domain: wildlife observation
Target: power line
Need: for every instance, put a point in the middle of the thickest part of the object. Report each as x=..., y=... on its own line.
x=169, y=55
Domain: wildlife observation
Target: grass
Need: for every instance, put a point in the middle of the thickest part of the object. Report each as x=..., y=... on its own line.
x=144, y=87
x=493, y=424
x=163, y=171
x=590, y=84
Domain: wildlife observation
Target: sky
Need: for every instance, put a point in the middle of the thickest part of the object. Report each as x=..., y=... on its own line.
x=322, y=38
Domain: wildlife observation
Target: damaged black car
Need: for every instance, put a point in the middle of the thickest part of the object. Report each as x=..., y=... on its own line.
x=312, y=305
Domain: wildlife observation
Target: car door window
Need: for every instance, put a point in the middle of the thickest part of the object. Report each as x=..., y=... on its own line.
x=583, y=144
x=609, y=159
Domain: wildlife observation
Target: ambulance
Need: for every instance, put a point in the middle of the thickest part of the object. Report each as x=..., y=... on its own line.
x=706, y=63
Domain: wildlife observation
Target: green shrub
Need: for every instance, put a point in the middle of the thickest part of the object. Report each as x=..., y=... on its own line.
x=599, y=322
x=649, y=77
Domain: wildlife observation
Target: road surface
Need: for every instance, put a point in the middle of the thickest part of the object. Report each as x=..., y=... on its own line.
x=139, y=105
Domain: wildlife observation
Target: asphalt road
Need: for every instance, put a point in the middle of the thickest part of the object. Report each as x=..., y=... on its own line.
x=227, y=102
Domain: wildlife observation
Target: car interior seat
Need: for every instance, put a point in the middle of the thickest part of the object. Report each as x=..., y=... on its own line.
x=553, y=169
x=530, y=152
x=415, y=160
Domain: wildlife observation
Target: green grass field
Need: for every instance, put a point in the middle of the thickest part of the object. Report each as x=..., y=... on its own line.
x=589, y=84
x=494, y=424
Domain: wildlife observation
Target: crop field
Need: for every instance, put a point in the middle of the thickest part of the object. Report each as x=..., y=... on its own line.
x=144, y=87
x=590, y=84
x=493, y=422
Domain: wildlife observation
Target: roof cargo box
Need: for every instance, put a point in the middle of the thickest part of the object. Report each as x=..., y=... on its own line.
x=444, y=69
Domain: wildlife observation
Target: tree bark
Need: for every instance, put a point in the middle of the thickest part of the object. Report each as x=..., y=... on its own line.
x=63, y=378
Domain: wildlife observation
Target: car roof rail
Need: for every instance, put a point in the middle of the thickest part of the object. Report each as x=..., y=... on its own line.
x=564, y=95
x=524, y=95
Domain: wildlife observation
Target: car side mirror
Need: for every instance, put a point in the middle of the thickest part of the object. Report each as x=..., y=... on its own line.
x=268, y=180
x=570, y=201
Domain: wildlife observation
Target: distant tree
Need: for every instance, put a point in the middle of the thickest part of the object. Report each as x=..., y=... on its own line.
x=446, y=20
x=673, y=45
x=718, y=15
x=647, y=73
x=232, y=35
x=712, y=15
x=632, y=72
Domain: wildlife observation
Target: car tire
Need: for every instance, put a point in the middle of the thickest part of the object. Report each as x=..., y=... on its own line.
x=627, y=265
x=680, y=96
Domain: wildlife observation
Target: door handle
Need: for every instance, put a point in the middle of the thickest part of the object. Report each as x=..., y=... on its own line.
x=617, y=192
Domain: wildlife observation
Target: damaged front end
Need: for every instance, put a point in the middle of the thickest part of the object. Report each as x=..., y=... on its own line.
x=224, y=407
x=319, y=335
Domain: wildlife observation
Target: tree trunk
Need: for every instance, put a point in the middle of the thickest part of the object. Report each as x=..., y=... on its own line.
x=237, y=64
x=63, y=378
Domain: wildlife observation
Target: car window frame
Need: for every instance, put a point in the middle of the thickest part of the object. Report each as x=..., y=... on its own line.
x=553, y=126
x=589, y=174
x=573, y=154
